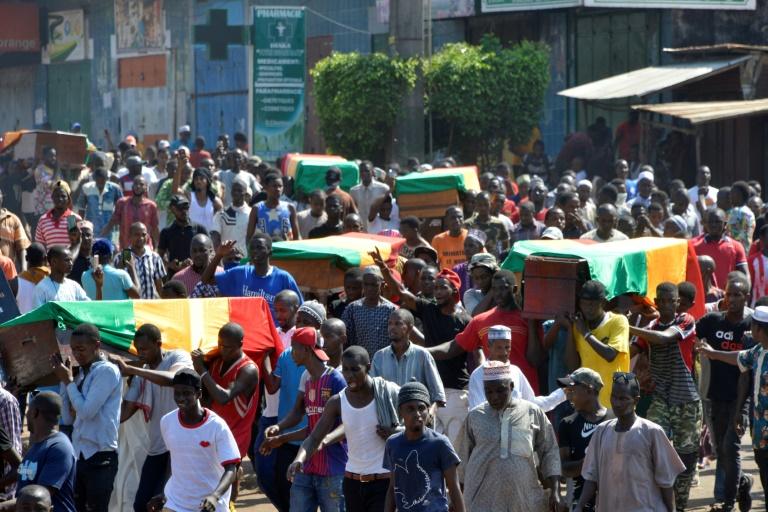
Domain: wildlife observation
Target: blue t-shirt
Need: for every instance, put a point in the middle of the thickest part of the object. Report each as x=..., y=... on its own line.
x=556, y=365
x=51, y=463
x=242, y=281
x=631, y=188
x=290, y=377
x=418, y=468
x=116, y=282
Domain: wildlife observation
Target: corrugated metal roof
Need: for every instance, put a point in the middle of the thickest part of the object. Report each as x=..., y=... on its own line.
x=706, y=111
x=719, y=48
x=642, y=82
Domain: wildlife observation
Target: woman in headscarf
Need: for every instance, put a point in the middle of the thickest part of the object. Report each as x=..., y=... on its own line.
x=53, y=226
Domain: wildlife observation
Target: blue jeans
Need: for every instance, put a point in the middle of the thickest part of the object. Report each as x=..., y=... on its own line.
x=264, y=465
x=311, y=491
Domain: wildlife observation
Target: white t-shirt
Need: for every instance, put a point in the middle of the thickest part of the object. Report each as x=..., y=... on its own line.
x=711, y=199
x=228, y=177
x=616, y=236
x=25, y=297
x=198, y=456
x=68, y=290
x=521, y=390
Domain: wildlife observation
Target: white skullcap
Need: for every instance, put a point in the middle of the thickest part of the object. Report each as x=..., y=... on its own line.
x=496, y=370
x=499, y=332
x=645, y=175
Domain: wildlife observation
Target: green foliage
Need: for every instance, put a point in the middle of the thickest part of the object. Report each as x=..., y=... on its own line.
x=482, y=95
x=358, y=99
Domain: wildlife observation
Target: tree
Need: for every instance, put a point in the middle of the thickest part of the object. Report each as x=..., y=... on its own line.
x=358, y=99
x=481, y=96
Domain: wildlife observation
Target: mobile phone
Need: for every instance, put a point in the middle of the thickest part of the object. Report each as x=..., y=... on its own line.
x=126, y=255
x=71, y=222
x=95, y=261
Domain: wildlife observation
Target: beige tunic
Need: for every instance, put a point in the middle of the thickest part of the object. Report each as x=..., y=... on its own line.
x=631, y=467
x=503, y=453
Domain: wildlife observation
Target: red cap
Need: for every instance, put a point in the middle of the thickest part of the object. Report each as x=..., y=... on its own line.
x=453, y=278
x=308, y=337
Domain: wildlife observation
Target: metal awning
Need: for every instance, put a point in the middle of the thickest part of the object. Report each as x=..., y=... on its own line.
x=706, y=111
x=719, y=48
x=645, y=81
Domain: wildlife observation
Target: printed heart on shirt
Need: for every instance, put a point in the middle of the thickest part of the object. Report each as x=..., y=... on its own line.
x=205, y=444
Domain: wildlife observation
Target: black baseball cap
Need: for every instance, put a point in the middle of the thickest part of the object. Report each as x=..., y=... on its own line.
x=179, y=200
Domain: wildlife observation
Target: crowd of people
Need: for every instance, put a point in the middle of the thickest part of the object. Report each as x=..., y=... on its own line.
x=421, y=386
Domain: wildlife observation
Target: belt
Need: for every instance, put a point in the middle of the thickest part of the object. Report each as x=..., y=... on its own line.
x=366, y=478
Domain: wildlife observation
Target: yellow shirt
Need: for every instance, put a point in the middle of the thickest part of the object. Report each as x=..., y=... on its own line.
x=614, y=332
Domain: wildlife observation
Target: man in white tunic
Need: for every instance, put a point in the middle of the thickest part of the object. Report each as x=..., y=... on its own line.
x=508, y=438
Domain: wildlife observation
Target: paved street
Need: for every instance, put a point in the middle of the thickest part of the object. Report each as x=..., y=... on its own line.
x=251, y=500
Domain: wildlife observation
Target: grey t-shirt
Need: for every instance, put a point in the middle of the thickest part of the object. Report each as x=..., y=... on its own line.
x=156, y=401
x=228, y=177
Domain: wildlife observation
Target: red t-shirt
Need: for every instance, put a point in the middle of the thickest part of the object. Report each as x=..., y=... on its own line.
x=475, y=336
x=726, y=252
x=628, y=135
x=196, y=157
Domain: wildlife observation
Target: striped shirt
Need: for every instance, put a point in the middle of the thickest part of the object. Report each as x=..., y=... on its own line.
x=149, y=268
x=12, y=234
x=331, y=460
x=672, y=363
x=52, y=231
x=10, y=421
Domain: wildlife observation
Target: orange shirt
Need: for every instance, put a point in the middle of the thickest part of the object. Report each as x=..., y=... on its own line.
x=8, y=267
x=450, y=249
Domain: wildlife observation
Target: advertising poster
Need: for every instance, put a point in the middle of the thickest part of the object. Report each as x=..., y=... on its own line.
x=66, y=36
x=139, y=25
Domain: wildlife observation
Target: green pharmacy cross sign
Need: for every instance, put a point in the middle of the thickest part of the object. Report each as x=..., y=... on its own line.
x=218, y=34
x=279, y=62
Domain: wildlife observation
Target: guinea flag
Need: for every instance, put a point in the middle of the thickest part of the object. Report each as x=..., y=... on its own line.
x=318, y=264
x=186, y=324
x=628, y=266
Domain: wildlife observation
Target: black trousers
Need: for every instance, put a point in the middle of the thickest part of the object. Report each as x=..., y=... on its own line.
x=285, y=455
x=365, y=496
x=94, y=481
x=154, y=474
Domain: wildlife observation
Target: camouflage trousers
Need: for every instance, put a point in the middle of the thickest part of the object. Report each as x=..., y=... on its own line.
x=682, y=424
